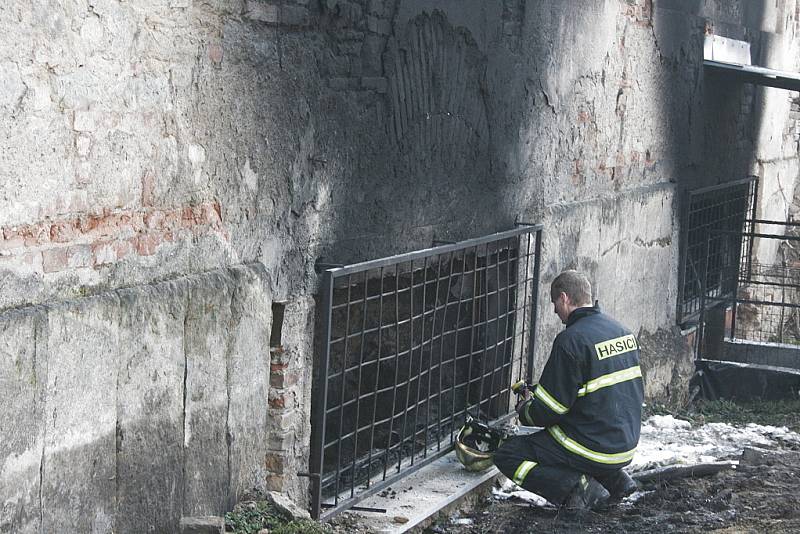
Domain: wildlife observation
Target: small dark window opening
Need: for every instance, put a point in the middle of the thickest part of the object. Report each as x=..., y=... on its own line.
x=277, y=324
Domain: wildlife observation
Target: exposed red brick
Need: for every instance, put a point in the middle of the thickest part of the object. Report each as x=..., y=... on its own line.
x=135, y=221
x=154, y=219
x=274, y=462
x=122, y=249
x=35, y=234
x=146, y=244
x=172, y=219
x=276, y=367
x=275, y=482
x=187, y=216
x=64, y=231
x=283, y=380
x=276, y=380
x=88, y=223
x=277, y=402
x=208, y=215
x=113, y=235
x=106, y=225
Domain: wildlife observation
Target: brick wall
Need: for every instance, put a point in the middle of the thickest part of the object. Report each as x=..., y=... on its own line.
x=94, y=241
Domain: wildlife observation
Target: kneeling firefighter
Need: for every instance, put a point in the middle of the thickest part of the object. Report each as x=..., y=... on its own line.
x=589, y=401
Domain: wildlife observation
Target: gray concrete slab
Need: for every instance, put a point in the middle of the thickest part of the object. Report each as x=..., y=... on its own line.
x=206, y=459
x=23, y=378
x=248, y=382
x=412, y=501
x=150, y=408
x=79, y=466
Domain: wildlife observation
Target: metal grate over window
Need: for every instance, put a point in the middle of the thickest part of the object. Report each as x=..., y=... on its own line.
x=411, y=345
x=767, y=306
x=761, y=323
x=728, y=208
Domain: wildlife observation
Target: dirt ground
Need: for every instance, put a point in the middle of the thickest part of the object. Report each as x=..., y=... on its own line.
x=761, y=495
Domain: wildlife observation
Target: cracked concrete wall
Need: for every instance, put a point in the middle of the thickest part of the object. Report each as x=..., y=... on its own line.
x=144, y=141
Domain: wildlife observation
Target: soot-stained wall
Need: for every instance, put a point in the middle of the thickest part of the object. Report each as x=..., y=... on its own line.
x=152, y=148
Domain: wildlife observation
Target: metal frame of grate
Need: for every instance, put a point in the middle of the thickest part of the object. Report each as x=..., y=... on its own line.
x=729, y=208
x=412, y=344
x=765, y=302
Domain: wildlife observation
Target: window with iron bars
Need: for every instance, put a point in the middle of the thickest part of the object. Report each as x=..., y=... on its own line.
x=728, y=207
x=411, y=345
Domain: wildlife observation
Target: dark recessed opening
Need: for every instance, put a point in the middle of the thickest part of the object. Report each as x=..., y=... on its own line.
x=277, y=324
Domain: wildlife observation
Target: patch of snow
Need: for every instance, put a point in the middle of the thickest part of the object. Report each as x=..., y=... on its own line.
x=668, y=421
x=509, y=490
x=635, y=496
x=667, y=441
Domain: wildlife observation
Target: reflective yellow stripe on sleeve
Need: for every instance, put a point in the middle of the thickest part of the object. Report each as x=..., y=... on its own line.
x=610, y=379
x=599, y=457
x=548, y=399
x=522, y=471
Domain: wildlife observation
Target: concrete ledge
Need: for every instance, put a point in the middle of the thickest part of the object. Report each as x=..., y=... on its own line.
x=415, y=501
x=770, y=356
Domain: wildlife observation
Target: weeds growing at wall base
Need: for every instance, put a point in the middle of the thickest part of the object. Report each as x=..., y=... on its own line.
x=250, y=517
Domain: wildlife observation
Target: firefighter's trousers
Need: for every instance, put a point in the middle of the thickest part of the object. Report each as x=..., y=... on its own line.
x=540, y=465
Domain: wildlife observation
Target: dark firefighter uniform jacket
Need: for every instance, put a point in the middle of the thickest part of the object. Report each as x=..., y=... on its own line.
x=589, y=396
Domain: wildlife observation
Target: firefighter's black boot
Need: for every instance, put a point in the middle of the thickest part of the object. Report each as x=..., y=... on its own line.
x=588, y=494
x=619, y=485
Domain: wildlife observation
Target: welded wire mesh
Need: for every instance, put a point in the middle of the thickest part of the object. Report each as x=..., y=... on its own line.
x=768, y=305
x=728, y=208
x=412, y=344
x=758, y=322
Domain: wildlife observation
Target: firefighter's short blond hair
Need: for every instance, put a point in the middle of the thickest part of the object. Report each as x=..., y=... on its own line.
x=575, y=284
